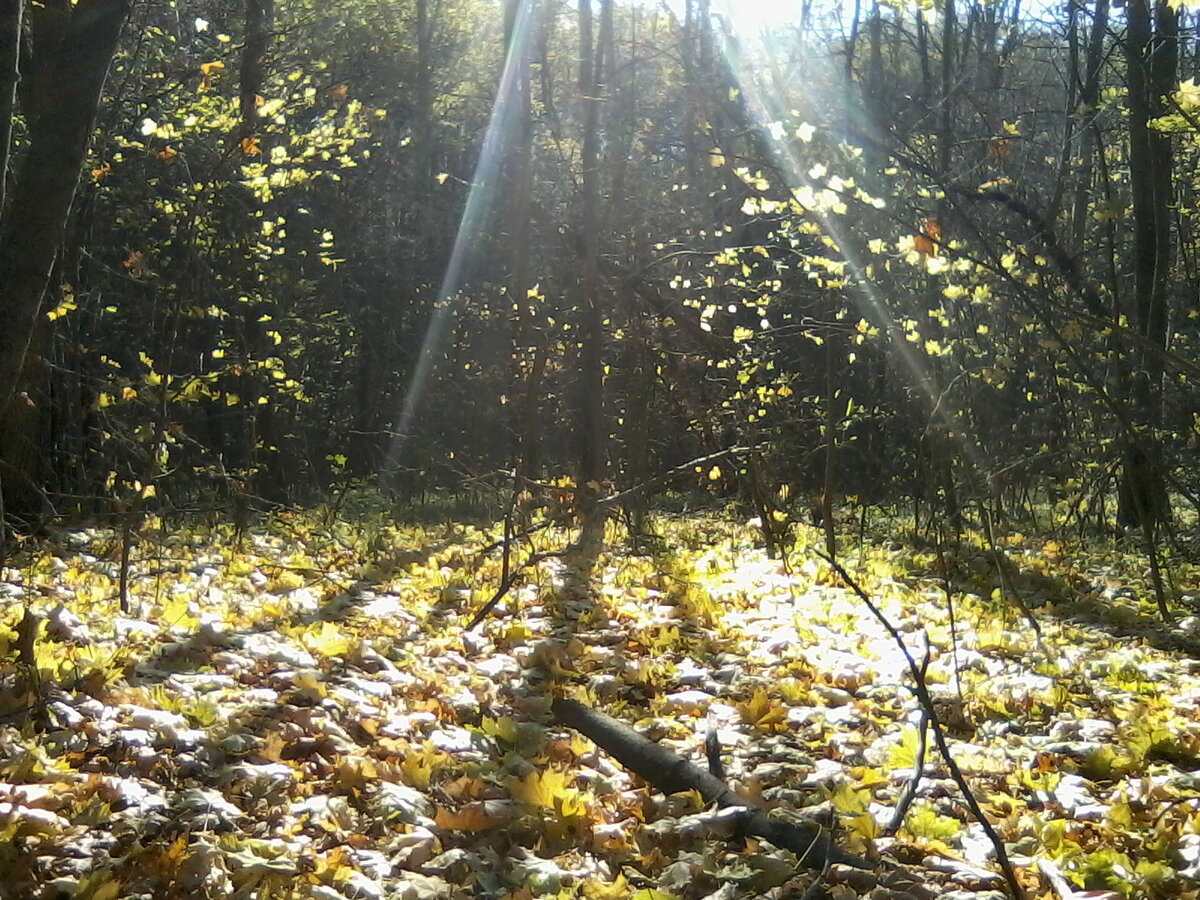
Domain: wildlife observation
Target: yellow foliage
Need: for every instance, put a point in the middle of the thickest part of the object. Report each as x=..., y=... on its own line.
x=328, y=640
x=762, y=712
x=549, y=790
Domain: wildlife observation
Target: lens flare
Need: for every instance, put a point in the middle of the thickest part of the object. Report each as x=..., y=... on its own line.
x=482, y=197
x=756, y=59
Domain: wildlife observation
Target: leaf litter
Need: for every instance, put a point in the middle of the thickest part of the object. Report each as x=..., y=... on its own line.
x=300, y=714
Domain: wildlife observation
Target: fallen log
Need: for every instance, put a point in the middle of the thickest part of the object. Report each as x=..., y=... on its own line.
x=670, y=774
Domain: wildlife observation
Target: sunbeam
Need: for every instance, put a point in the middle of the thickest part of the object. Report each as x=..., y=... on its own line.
x=751, y=53
x=481, y=198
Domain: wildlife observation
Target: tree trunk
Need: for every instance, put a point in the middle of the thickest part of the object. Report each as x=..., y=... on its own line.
x=529, y=356
x=260, y=452
x=11, y=16
x=427, y=134
x=946, y=125
x=593, y=431
x=1071, y=111
x=60, y=128
x=259, y=16
x=1151, y=59
x=1089, y=100
x=852, y=41
x=923, y=54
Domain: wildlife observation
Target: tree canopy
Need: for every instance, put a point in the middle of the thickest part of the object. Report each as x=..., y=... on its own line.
x=836, y=270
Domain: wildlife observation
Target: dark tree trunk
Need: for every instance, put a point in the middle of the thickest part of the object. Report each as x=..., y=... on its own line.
x=1151, y=48
x=923, y=54
x=61, y=116
x=528, y=350
x=260, y=452
x=426, y=133
x=11, y=16
x=593, y=431
x=1089, y=100
x=259, y=16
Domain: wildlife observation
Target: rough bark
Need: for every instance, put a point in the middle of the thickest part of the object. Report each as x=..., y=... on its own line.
x=1151, y=48
x=11, y=16
x=61, y=117
x=670, y=774
x=593, y=431
x=258, y=455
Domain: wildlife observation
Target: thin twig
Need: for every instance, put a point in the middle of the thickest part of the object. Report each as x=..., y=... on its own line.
x=817, y=888
x=507, y=585
x=910, y=790
x=939, y=735
x=949, y=589
x=1006, y=585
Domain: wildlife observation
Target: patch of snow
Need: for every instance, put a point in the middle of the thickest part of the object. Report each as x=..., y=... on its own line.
x=274, y=649
x=688, y=701
x=401, y=801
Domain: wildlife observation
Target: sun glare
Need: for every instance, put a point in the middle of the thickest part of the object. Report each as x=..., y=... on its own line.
x=749, y=18
x=482, y=194
x=756, y=60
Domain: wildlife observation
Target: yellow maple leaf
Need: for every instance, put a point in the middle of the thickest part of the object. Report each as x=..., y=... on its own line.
x=617, y=890
x=418, y=765
x=548, y=790
x=481, y=815
x=207, y=71
x=328, y=640
x=762, y=712
x=356, y=772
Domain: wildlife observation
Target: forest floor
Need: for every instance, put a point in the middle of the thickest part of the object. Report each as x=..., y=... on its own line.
x=300, y=712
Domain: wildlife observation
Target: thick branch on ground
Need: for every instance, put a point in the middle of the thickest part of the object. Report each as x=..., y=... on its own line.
x=670, y=774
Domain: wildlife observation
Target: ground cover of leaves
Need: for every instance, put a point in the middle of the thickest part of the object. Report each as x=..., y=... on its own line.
x=298, y=713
